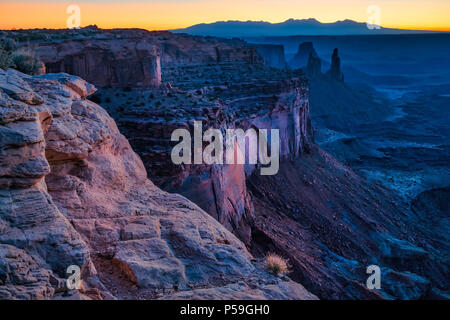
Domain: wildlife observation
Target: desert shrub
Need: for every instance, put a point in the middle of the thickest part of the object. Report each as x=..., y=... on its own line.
x=27, y=62
x=7, y=45
x=276, y=264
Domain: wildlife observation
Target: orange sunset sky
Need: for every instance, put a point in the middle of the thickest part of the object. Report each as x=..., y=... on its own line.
x=171, y=14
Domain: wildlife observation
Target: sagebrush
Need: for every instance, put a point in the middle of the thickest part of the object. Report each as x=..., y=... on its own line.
x=276, y=264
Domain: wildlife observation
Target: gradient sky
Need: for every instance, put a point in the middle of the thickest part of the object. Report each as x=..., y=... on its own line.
x=170, y=14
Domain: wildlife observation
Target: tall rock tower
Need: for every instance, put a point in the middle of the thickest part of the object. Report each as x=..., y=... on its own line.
x=335, y=70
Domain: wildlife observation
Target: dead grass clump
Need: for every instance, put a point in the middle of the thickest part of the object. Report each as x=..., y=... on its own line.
x=276, y=264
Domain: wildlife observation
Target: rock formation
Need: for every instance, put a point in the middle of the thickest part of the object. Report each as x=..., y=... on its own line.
x=182, y=49
x=220, y=190
x=74, y=193
x=314, y=66
x=116, y=63
x=132, y=58
x=300, y=60
x=348, y=230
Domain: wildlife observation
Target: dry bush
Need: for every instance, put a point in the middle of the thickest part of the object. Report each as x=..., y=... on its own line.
x=27, y=62
x=276, y=264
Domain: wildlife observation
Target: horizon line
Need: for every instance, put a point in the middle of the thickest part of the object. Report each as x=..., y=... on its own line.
x=397, y=27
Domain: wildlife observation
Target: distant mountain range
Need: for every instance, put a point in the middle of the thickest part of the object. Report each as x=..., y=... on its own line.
x=289, y=27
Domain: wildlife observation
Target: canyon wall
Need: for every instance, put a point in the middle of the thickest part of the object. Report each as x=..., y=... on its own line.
x=132, y=58
x=182, y=49
x=328, y=221
x=300, y=59
x=117, y=63
x=73, y=192
x=256, y=103
x=272, y=54
x=117, y=59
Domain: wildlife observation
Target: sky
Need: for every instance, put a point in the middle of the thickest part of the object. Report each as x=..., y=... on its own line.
x=172, y=14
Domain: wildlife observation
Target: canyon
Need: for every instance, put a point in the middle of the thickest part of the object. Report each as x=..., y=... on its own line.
x=85, y=192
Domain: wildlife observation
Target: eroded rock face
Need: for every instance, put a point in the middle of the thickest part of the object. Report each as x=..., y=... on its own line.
x=335, y=72
x=328, y=221
x=37, y=241
x=272, y=54
x=300, y=60
x=268, y=100
x=132, y=58
x=144, y=243
x=74, y=193
x=118, y=63
x=183, y=49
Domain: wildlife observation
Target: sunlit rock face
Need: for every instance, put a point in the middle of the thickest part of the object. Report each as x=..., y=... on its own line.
x=73, y=192
x=37, y=242
x=132, y=58
x=327, y=220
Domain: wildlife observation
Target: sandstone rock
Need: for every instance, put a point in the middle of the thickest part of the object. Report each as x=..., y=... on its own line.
x=96, y=209
x=105, y=62
x=335, y=72
x=300, y=60
x=314, y=66
x=21, y=277
x=181, y=49
x=14, y=86
x=258, y=103
x=324, y=218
